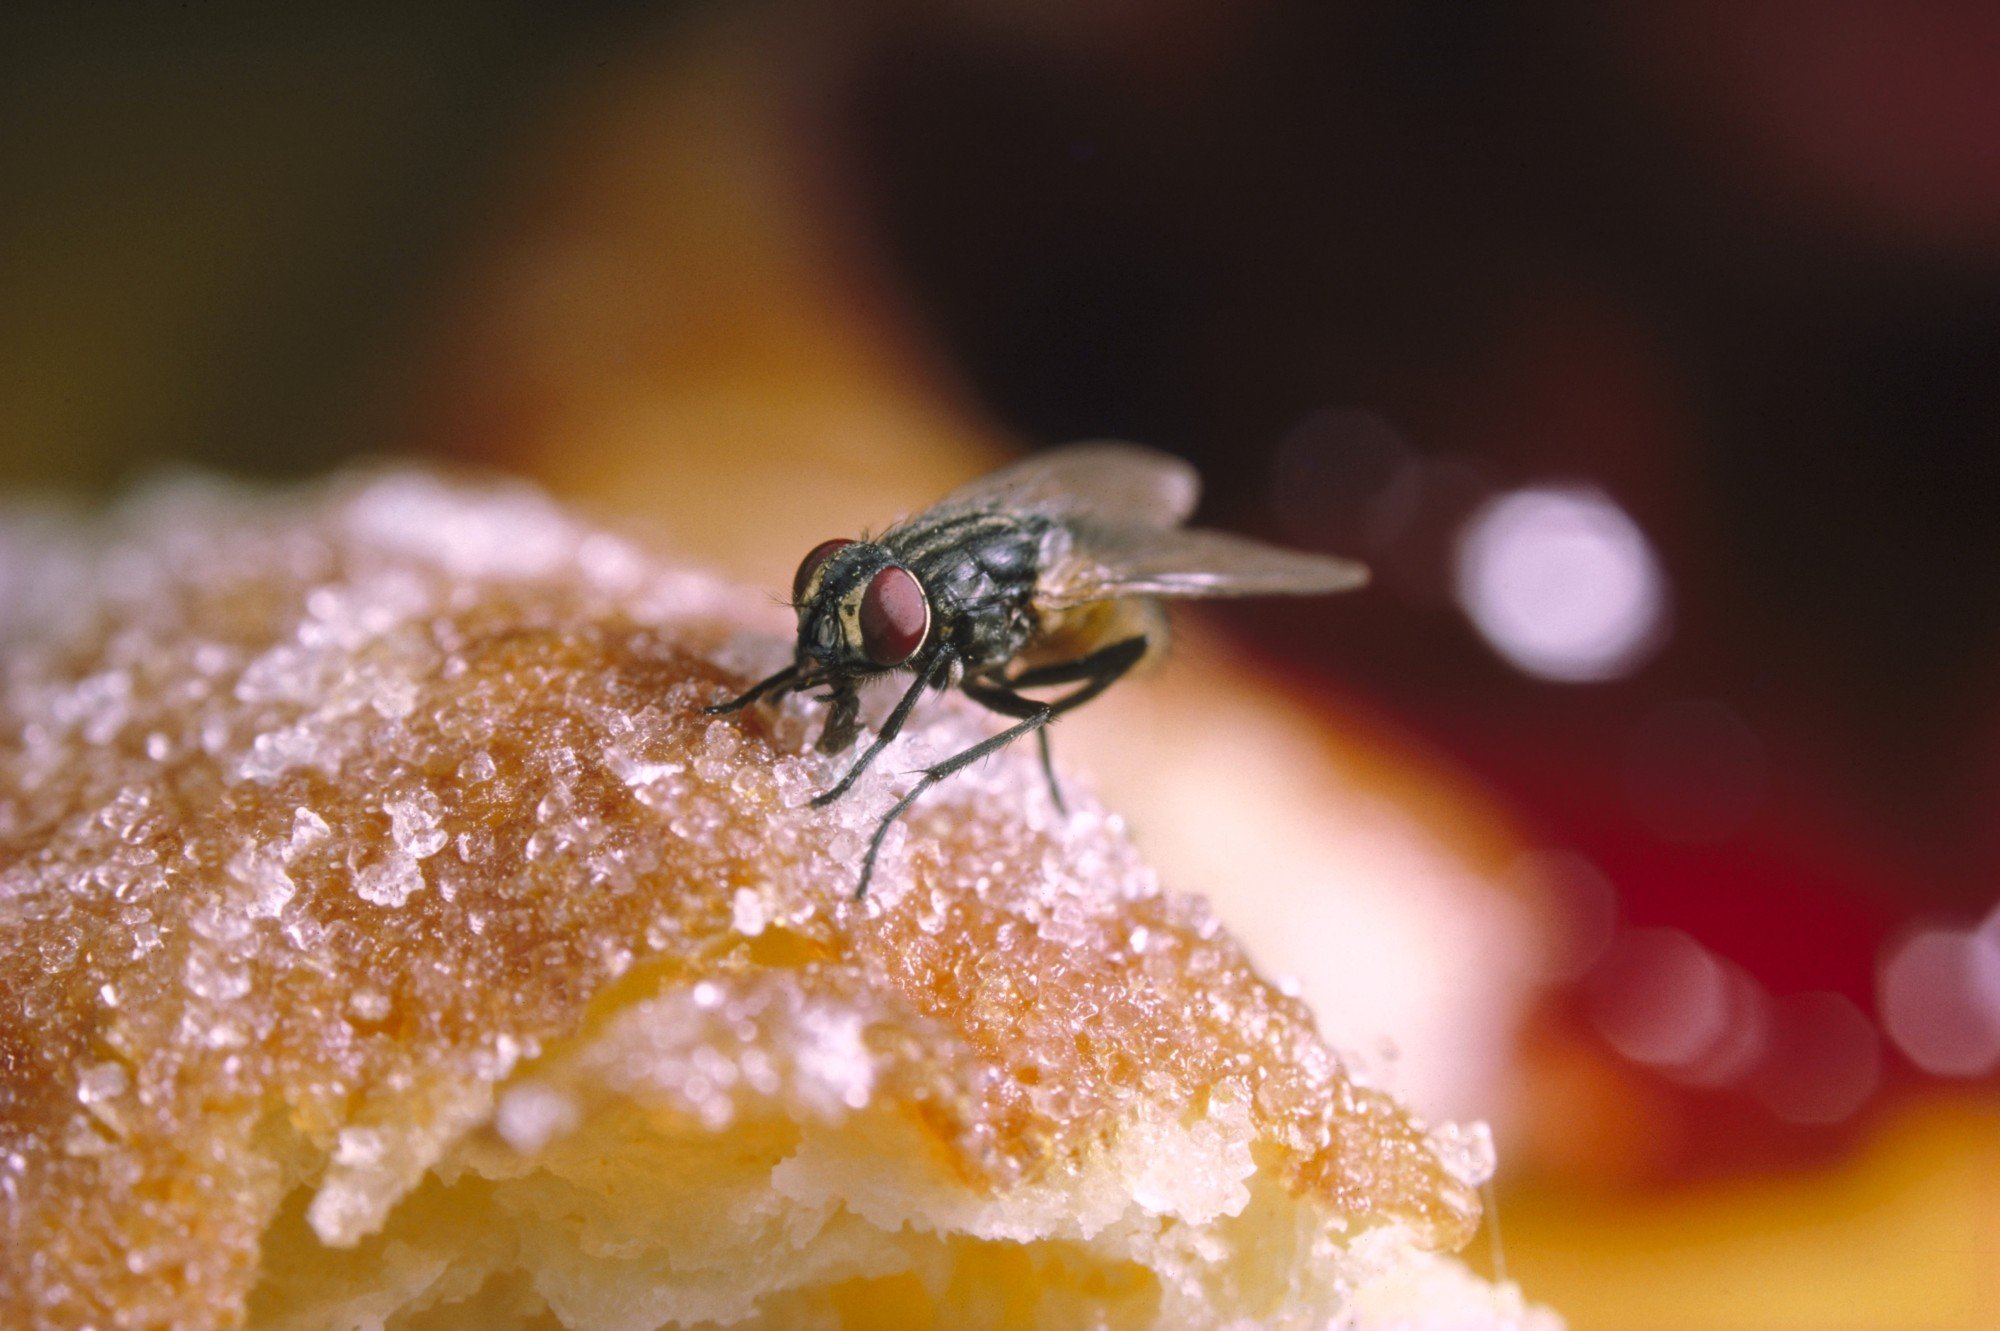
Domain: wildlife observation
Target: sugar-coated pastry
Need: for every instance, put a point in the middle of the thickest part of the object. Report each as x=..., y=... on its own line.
x=388, y=939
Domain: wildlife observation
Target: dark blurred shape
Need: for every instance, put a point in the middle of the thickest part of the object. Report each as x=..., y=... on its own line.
x=1694, y=771
x=1355, y=240
x=1344, y=478
x=221, y=217
x=1584, y=909
x=1869, y=118
x=1856, y=416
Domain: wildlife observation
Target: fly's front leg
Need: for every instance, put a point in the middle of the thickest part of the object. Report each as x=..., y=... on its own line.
x=934, y=669
x=777, y=686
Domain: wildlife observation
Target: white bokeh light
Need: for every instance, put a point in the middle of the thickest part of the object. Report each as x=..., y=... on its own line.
x=1825, y=1061
x=1940, y=1000
x=1665, y=1000
x=1562, y=583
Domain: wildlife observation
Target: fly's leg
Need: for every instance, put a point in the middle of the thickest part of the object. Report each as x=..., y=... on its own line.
x=957, y=762
x=843, y=718
x=1049, y=771
x=933, y=669
x=777, y=686
x=1099, y=670
x=1005, y=701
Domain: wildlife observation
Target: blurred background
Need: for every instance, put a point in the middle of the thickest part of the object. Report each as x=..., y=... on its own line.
x=1651, y=354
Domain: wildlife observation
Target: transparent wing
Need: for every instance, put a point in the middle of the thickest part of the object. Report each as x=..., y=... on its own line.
x=1106, y=563
x=1118, y=485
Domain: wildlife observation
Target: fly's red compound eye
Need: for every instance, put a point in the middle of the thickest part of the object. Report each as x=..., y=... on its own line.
x=808, y=566
x=895, y=615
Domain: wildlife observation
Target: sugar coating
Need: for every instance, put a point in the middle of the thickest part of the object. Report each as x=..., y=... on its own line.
x=326, y=813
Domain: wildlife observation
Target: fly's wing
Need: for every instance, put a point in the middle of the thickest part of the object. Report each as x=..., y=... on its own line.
x=1105, y=563
x=1117, y=485
x=1120, y=507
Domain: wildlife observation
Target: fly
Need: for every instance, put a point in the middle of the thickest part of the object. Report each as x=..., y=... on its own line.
x=1045, y=574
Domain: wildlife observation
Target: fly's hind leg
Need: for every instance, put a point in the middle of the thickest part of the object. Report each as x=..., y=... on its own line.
x=1049, y=771
x=957, y=762
x=1099, y=671
x=1005, y=701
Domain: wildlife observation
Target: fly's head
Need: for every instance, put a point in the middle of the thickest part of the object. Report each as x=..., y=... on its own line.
x=860, y=613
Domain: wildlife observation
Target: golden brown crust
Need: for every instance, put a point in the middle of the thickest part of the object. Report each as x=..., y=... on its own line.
x=324, y=817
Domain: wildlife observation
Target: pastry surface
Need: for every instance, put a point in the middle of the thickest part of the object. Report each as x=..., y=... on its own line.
x=387, y=939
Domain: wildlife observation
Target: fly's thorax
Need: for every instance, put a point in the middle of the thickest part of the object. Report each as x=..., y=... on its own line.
x=980, y=568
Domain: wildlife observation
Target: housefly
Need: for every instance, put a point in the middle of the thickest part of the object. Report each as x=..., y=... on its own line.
x=1045, y=574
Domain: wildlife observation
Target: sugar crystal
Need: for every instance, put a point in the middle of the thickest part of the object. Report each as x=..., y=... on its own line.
x=747, y=912
x=369, y=1005
x=308, y=828
x=389, y=881
x=260, y=869
x=1466, y=1149
x=100, y=1082
x=528, y=1116
x=414, y=823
